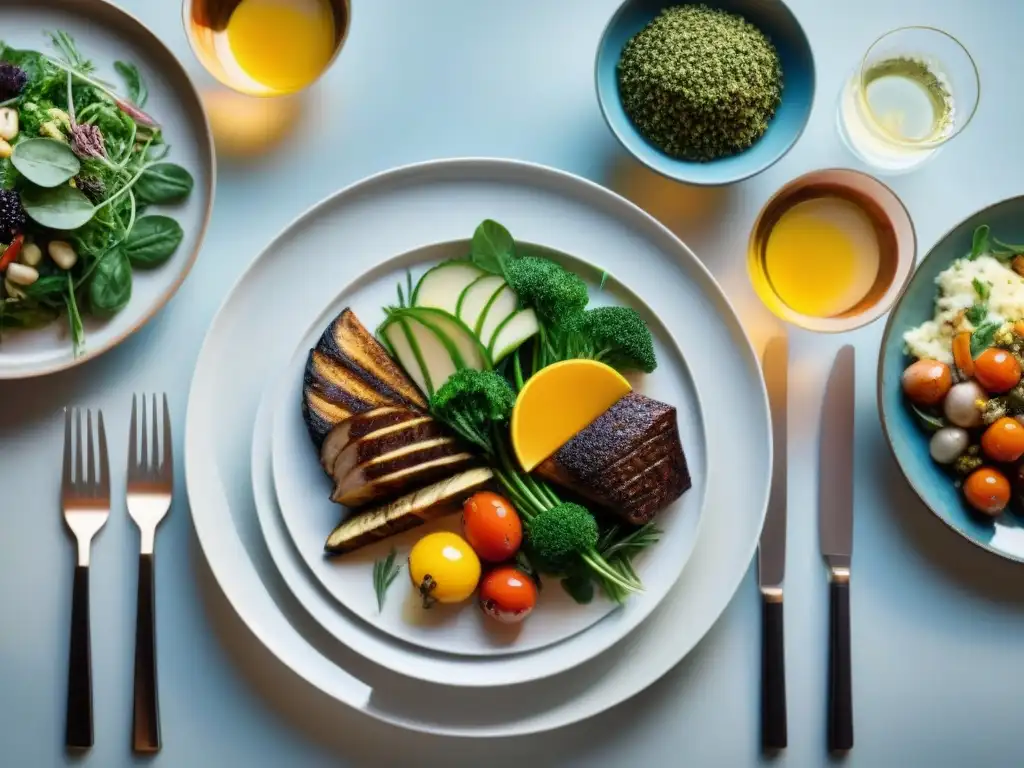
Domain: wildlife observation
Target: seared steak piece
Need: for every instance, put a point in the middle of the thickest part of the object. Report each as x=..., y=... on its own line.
x=629, y=460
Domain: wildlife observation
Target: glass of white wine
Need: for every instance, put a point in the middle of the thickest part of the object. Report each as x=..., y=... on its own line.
x=914, y=90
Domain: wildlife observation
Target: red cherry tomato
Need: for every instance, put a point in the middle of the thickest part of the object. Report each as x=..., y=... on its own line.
x=491, y=526
x=987, y=491
x=1004, y=440
x=507, y=595
x=997, y=370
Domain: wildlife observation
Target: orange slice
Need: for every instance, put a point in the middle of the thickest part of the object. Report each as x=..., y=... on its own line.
x=559, y=401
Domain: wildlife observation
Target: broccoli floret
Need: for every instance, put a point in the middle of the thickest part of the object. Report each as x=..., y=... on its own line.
x=619, y=337
x=554, y=293
x=471, y=401
x=558, y=534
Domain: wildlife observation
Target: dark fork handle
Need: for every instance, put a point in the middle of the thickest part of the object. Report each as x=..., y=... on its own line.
x=146, y=711
x=840, y=690
x=78, y=728
x=773, y=676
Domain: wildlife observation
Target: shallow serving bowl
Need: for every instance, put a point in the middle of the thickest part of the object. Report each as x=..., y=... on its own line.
x=773, y=18
x=909, y=442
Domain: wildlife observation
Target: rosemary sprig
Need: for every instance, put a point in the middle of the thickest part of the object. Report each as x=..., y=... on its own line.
x=385, y=571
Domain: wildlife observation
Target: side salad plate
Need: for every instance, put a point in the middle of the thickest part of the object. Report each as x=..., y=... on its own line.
x=106, y=180
x=352, y=259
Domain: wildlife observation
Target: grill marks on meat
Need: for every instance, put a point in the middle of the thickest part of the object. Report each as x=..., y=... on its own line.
x=629, y=460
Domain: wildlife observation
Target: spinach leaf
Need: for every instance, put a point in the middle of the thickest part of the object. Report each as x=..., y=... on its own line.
x=982, y=338
x=31, y=62
x=133, y=81
x=163, y=183
x=62, y=207
x=47, y=288
x=45, y=162
x=111, y=286
x=980, y=241
x=928, y=421
x=492, y=247
x=24, y=314
x=153, y=240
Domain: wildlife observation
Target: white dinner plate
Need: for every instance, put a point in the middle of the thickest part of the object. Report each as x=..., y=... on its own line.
x=303, y=492
x=396, y=212
x=104, y=34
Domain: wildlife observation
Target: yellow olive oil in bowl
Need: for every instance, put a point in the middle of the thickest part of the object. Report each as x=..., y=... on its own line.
x=266, y=47
x=831, y=251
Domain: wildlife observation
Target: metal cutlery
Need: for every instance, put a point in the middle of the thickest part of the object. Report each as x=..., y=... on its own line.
x=85, y=499
x=150, y=485
x=771, y=561
x=835, y=528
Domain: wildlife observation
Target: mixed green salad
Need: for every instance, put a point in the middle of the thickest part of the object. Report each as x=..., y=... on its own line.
x=80, y=163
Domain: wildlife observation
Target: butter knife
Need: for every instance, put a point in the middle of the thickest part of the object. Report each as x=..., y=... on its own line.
x=771, y=556
x=835, y=528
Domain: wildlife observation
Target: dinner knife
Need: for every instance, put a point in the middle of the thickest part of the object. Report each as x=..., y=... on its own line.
x=771, y=555
x=835, y=528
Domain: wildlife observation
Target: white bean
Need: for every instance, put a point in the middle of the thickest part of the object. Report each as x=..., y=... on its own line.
x=6, y=150
x=13, y=291
x=31, y=254
x=63, y=254
x=8, y=123
x=20, y=274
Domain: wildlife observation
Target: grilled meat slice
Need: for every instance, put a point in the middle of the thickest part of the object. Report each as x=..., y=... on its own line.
x=629, y=460
x=444, y=497
x=377, y=446
x=347, y=341
x=358, y=426
x=349, y=372
x=381, y=481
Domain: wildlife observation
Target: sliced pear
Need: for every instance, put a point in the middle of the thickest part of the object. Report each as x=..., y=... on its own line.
x=441, y=286
x=502, y=305
x=512, y=333
x=475, y=298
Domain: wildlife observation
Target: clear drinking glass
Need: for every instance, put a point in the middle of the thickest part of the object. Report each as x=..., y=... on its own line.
x=914, y=90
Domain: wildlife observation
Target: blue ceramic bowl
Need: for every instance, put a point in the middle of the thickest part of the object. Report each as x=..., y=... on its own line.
x=780, y=25
x=1003, y=536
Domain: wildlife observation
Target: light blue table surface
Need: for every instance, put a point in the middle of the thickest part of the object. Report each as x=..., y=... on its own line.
x=938, y=626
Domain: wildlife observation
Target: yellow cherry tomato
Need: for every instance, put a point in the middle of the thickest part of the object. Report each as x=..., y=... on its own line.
x=444, y=568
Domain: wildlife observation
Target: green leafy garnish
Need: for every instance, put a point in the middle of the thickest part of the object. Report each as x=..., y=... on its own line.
x=492, y=247
x=153, y=240
x=385, y=571
x=982, y=289
x=982, y=337
x=929, y=422
x=980, y=241
x=133, y=81
x=45, y=162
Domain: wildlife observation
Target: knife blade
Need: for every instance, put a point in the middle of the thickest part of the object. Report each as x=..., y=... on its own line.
x=771, y=554
x=835, y=529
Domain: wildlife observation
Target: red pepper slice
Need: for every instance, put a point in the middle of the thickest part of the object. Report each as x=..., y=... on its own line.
x=12, y=252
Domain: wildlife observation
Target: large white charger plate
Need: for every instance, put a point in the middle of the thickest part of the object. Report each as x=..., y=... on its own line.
x=303, y=492
x=398, y=211
x=105, y=33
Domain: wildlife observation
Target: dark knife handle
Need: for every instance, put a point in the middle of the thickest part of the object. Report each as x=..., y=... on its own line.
x=146, y=711
x=840, y=690
x=78, y=725
x=773, y=675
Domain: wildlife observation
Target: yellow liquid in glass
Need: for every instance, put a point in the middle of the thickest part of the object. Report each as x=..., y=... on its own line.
x=822, y=256
x=282, y=44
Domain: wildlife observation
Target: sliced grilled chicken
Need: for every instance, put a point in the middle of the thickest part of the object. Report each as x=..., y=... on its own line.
x=391, y=441
x=358, y=426
x=364, y=486
x=441, y=498
x=629, y=460
x=348, y=342
x=348, y=373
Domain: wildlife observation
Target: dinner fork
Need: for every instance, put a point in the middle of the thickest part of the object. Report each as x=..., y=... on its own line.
x=150, y=481
x=85, y=499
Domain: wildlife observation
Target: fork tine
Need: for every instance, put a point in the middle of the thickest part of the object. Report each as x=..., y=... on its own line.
x=90, y=464
x=144, y=463
x=66, y=478
x=155, y=446
x=104, y=479
x=167, y=468
x=79, y=476
x=133, y=449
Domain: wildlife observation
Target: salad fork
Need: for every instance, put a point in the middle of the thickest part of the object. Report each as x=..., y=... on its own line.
x=150, y=482
x=85, y=499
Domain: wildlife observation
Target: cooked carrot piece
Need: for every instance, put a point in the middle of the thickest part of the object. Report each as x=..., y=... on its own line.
x=962, y=353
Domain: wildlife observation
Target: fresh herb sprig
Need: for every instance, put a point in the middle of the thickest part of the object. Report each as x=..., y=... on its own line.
x=984, y=242
x=385, y=571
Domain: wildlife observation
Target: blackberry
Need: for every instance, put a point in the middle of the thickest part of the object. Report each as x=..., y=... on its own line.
x=12, y=215
x=12, y=80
